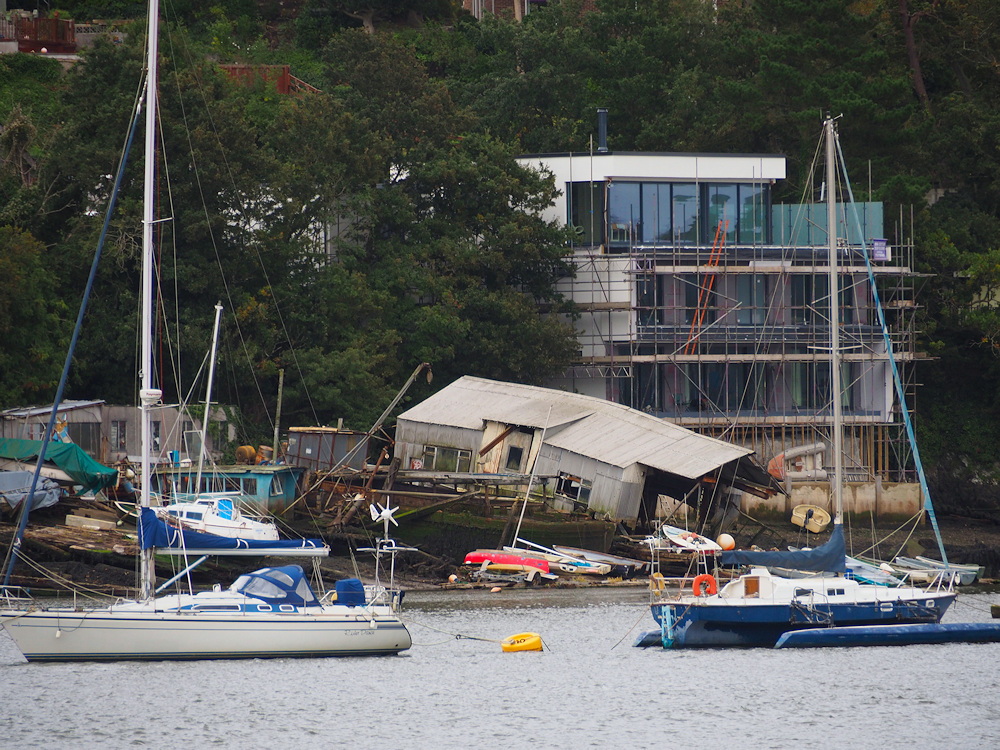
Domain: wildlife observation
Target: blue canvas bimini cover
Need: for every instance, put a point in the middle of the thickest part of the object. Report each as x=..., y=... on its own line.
x=284, y=585
x=827, y=558
x=350, y=591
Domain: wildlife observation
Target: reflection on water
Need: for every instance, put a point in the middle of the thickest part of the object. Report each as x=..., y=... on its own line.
x=591, y=688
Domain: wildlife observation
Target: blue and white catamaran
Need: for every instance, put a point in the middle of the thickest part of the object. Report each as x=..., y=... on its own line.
x=756, y=608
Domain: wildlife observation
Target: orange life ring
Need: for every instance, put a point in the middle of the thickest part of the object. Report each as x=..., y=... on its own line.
x=713, y=587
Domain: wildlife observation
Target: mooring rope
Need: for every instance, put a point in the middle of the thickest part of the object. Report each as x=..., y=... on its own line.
x=628, y=632
x=460, y=636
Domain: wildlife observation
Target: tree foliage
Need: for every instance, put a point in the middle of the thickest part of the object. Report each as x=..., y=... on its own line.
x=383, y=221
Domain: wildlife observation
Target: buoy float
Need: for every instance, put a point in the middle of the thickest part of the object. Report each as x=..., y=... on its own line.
x=726, y=541
x=522, y=642
x=496, y=590
x=453, y=578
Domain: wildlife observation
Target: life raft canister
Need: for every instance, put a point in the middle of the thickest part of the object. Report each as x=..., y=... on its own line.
x=710, y=584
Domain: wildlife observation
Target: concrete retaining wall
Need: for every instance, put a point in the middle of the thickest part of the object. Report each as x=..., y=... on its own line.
x=884, y=499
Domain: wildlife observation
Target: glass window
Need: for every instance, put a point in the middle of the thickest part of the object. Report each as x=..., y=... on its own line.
x=624, y=213
x=657, y=226
x=277, y=486
x=514, y=456
x=439, y=458
x=647, y=306
x=700, y=303
x=703, y=387
x=192, y=441
x=586, y=211
x=747, y=385
x=573, y=487
x=119, y=430
x=723, y=208
x=846, y=299
x=87, y=435
x=753, y=215
x=751, y=296
x=684, y=205
x=810, y=298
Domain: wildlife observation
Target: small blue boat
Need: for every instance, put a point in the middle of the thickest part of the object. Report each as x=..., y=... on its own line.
x=892, y=635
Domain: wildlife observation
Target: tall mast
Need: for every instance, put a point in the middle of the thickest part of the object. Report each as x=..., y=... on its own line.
x=835, y=388
x=148, y=396
x=208, y=396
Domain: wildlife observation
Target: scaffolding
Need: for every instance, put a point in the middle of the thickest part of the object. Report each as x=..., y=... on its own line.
x=731, y=338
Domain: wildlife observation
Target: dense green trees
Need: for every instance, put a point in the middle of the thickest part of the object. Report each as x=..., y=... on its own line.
x=383, y=222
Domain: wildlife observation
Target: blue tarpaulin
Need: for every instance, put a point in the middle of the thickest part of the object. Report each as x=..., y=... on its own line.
x=827, y=558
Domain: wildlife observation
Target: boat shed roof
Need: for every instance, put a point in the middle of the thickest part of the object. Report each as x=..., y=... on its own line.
x=36, y=411
x=603, y=430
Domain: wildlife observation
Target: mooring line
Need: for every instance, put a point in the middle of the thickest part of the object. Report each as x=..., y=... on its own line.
x=455, y=636
x=628, y=632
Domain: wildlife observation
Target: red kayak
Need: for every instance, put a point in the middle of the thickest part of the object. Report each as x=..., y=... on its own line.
x=499, y=557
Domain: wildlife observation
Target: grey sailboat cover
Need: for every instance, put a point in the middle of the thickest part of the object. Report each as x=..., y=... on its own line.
x=14, y=487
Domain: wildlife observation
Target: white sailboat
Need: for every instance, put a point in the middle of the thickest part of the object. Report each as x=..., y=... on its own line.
x=221, y=513
x=757, y=608
x=273, y=612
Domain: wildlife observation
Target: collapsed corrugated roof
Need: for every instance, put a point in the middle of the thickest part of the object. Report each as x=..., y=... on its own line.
x=602, y=430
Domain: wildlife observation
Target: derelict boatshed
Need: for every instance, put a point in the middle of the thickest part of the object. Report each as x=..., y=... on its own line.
x=605, y=457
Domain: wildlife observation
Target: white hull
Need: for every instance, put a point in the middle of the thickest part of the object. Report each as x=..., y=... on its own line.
x=136, y=631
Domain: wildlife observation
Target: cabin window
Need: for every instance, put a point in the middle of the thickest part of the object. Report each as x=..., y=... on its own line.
x=249, y=485
x=439, y=458
x=751, y=587
x=217, y=607
x=286, y=608
x=263, y=607
x=193, y=515
x=835, y=592
x=514, y=456
x=277, y=487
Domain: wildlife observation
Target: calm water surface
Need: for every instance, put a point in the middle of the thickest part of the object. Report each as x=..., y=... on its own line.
x=590, y=689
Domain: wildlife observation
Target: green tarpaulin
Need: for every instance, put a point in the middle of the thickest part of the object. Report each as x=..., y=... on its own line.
x=69, y=457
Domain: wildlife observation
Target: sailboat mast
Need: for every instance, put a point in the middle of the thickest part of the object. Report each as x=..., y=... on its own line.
x=148, y=397
x=208, y=396
x=835, y=387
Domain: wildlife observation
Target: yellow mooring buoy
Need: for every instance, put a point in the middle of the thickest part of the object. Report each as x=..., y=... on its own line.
x=522, y=642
